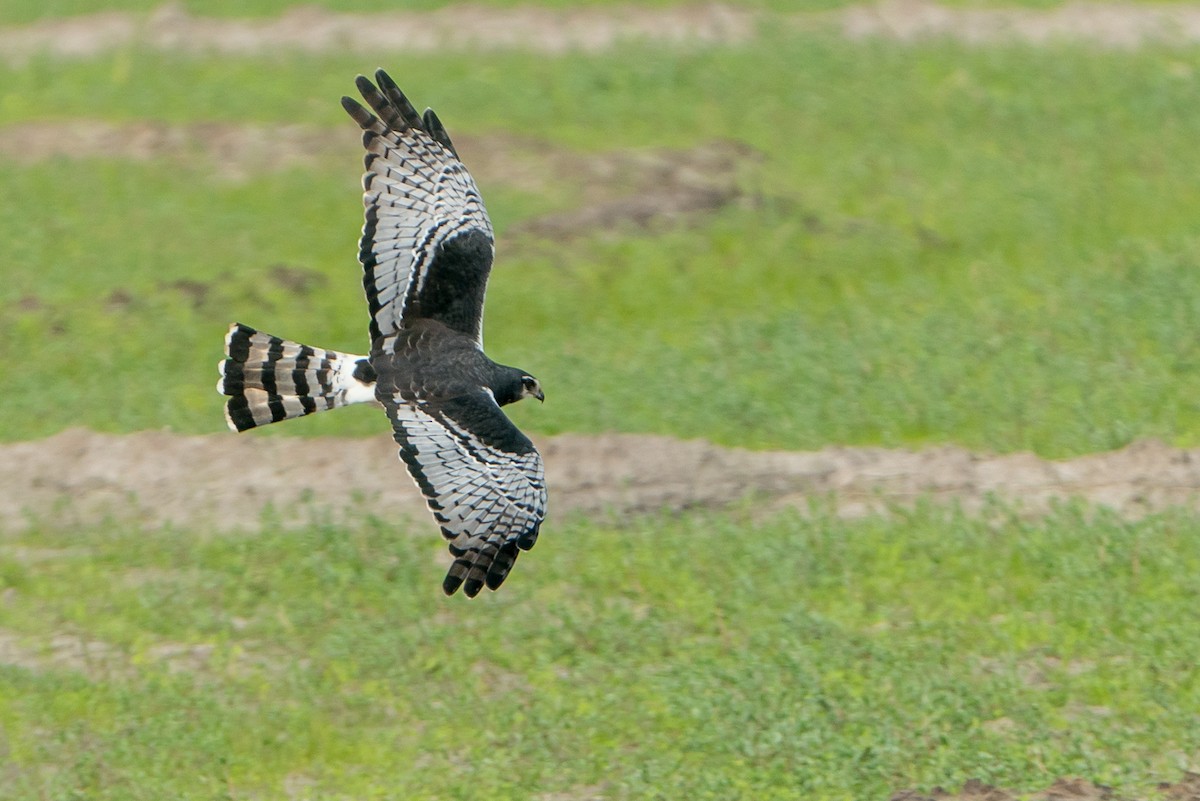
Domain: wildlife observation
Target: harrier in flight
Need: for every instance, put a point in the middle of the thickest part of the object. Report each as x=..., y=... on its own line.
x=426, y=251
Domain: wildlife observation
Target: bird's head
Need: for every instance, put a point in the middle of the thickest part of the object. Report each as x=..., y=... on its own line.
x=530, y=388
x=511, y=384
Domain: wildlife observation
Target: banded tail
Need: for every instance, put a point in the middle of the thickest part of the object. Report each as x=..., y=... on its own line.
x=269, y=379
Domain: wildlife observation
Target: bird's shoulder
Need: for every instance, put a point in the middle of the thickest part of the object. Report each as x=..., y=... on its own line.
x=427, y=360
x=426, y=335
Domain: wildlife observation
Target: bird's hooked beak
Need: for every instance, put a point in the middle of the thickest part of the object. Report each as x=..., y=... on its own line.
x=530, y=388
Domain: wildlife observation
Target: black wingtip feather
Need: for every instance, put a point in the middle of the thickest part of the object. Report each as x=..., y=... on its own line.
x=383, y=79
x=451, y=583
x=438, y=131
x=529, y=538
x=502, y=565
x=364, y=118
x=391, y=94
x=385, y=82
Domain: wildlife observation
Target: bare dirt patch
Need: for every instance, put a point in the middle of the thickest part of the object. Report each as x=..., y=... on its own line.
x=644, y=189
x=1074, y=789
x=975, y=790
x=224, y=481
x=619, y=189
x=1116, y=25
x=58, y=652
x=311, y=29
x=98, y=660
x=1186, y=789
x=235, y=152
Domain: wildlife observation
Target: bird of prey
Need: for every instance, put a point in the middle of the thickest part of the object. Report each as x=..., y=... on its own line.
x=426, y=251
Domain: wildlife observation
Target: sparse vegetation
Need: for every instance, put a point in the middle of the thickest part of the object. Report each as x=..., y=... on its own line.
x=993, y=247
x=795, y=656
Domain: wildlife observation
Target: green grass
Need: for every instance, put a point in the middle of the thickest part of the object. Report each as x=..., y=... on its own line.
x=795, y=656
x=993, y=246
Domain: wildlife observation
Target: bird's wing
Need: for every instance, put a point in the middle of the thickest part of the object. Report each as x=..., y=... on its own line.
x=427, y=242
x=481, y=477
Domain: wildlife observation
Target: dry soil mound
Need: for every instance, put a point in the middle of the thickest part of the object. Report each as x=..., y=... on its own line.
x=224, y=481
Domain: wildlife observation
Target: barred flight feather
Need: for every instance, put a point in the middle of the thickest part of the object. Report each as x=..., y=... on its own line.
x=486, y=490
x=417, y=196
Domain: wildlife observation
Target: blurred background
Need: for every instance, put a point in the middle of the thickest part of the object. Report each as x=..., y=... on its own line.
x=768, y=228
x=770, y=225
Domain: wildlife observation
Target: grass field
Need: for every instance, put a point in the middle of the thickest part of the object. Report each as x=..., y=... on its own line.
x=793, y=657
x=992, y=247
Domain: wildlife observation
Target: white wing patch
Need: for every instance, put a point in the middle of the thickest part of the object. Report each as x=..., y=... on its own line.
x=489, y=501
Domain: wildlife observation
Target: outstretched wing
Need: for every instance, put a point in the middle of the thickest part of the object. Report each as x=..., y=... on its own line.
x=427, y=242
x=481, y=477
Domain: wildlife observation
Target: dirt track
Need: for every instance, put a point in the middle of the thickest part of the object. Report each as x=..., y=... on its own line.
x=311, y=29
x=614, y=189
x=224, y=481
x=1186, y=789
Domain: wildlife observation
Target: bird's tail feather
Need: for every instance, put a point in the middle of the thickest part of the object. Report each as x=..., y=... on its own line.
x=269, y=379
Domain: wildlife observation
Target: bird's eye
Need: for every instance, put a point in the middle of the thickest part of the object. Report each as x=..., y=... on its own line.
x=528, y=382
